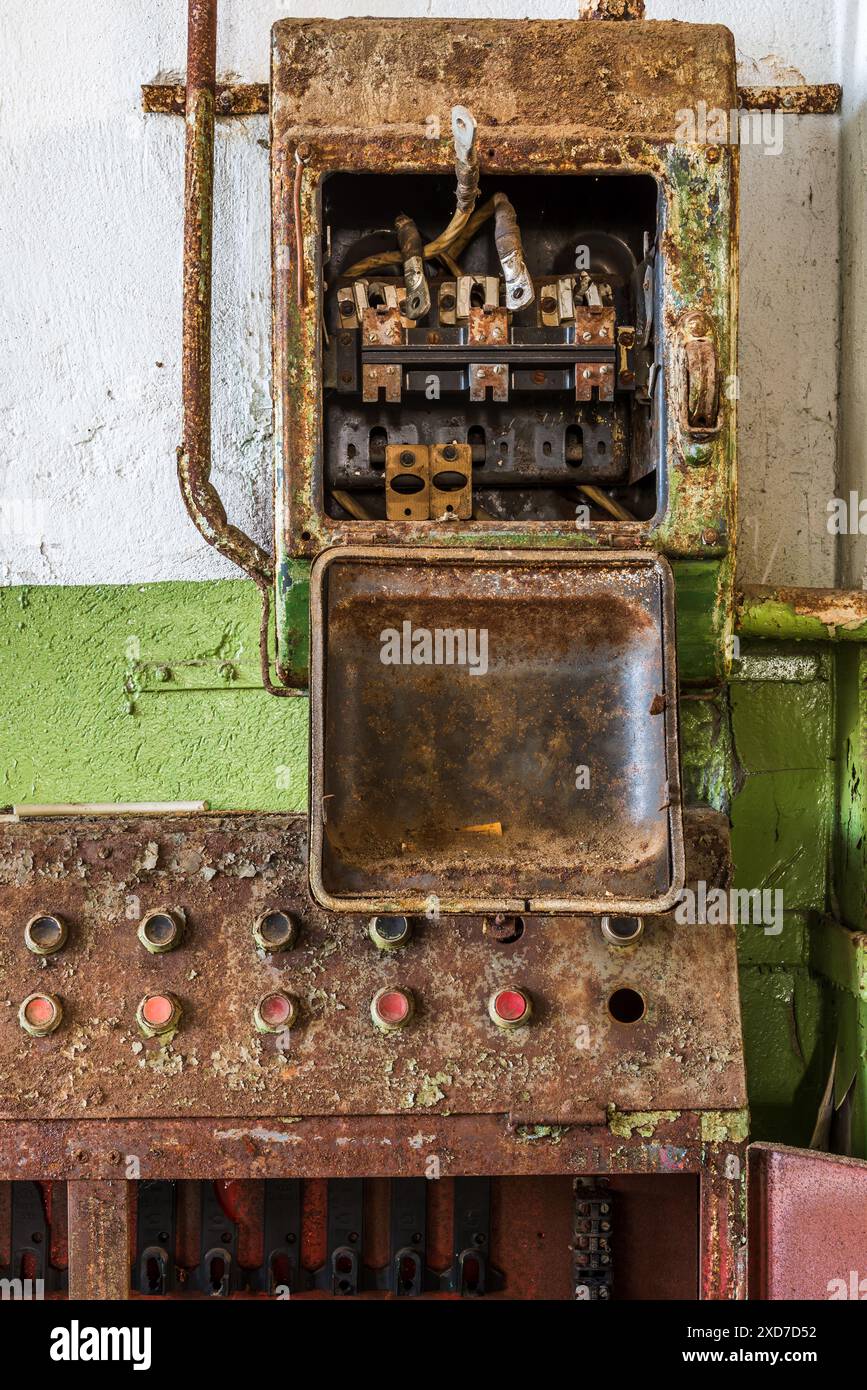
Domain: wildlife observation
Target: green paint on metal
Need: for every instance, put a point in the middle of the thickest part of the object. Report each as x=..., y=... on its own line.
x=781, y=815
x=840, y=958
x=86, y=720
x=850, y=822
x=643, y=1122
x=292, y=599
x=724, y=1126
x=706, y=750
x=758, y=945
x=701, y=619
x=775, y=617
x=788, y=1050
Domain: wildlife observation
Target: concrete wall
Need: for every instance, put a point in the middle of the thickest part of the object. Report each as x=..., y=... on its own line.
x=91, y=228
x=853, y=376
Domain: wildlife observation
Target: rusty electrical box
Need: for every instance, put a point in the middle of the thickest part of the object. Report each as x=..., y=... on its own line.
x=445, y=1035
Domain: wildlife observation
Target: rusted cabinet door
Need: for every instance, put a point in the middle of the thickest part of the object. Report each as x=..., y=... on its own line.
x=807, y=1224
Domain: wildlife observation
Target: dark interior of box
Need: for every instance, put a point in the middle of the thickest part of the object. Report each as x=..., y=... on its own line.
x=532, y=453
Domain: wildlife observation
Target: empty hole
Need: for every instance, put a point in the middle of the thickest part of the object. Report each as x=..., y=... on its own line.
x=546, y=448
x=478, y=444
x=626, y=1006
x=407, y=511
x=216, y=1272
x=573, y=444
x=407, y=1272
x=600, y=447
x=449, y=481
x=153, y=1275
x=351, y=451
x=407, y=484
x=377, y=440
x=471, y=1274
x=477, y=297
x=504, y=446
x=513, y=933
x=376, y=298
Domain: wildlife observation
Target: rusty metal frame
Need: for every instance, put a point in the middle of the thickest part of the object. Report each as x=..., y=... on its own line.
x=90, y=1155
x=694, y=519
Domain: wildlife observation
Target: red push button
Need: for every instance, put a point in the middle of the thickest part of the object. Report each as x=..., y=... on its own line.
x=510, y=1007
x=275, y=1012
x=40, y=1014
x=391, y=1008
x=158, y=1013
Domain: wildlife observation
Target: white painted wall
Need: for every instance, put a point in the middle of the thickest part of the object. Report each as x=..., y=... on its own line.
x=853, y=364
x=90, y=226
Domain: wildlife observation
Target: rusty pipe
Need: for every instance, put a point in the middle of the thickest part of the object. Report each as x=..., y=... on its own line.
x=201, y=499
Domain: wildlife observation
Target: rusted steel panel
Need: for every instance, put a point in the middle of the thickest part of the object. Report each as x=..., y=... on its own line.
x=820, y=99
x=222, y=872
x=231, y=99
x=633, y=76
x=408, y=759
x=375, y=1146
x=99, y=1239
x=807, y=1224
x=253, y=99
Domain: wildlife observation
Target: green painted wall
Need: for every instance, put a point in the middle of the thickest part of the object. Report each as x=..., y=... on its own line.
x=144, y=693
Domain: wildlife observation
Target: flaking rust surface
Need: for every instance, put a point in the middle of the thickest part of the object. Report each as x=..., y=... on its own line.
x=223, y=871
x=633, y=76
